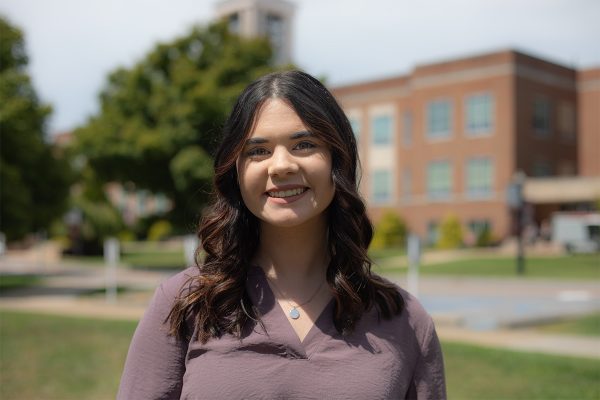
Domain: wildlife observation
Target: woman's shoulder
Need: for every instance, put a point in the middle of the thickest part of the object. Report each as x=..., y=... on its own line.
x=413, y=316
x=173, y=286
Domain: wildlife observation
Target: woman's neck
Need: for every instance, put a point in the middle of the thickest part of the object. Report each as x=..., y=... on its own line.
x=298, y=254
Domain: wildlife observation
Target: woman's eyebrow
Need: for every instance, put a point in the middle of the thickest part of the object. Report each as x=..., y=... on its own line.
x=293, y=136
x=301, y=135
x=256, y=140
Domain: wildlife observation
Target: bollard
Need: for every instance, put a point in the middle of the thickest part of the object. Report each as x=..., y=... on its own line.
x=2, y=243
x=414, y=256
x=190, y=243
x=111, y=259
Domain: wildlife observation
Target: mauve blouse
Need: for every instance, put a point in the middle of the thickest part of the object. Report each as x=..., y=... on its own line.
x=382, y=359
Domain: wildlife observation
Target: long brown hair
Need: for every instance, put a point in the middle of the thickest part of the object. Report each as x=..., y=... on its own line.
x=216, y=299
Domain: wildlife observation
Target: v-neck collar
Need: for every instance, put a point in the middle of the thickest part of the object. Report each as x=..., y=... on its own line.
x=276, y=322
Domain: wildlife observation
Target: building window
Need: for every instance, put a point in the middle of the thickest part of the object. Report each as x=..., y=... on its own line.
x=382, y=186
x=439, y=180
x=142, y=198
x=438, y=119
x=566, y=121
x=407, y=129
x=480, y=176
x=161, y=203
x=355, y=124
x=432, y=233
x=234, y=23
x=382, y=130
x=542, y=168
x=121, y=197
x=275, y=33
x=481, y=231
x=541, y=117
x=479, y=114
x=406, y=184
x=567, y=168
x=477, y=226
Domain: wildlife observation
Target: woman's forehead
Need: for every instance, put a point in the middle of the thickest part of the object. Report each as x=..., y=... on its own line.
x=276, y=116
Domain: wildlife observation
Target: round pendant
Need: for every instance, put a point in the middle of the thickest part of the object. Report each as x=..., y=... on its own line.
x=294, y=313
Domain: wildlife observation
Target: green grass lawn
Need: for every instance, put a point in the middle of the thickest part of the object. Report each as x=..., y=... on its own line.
x=567, y=267
x=138, y=257
x=588, y=325
x=47, y=357
x=484, y=373
x=8, y=282
x=53, y=357
x=155, y=259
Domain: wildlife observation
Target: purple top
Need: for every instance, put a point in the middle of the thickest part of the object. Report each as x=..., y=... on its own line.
x=381, y=359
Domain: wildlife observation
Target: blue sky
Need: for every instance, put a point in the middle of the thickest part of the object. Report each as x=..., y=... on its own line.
x=74, y=44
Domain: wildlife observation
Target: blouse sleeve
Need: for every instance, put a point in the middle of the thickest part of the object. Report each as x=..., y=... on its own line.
x=156, y=361
x=428, y=380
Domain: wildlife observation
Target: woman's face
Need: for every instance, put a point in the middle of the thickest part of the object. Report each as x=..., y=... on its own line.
x=284, y=170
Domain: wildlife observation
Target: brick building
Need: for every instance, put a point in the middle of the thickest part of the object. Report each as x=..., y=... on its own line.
x=449, y=137
x=588, y=117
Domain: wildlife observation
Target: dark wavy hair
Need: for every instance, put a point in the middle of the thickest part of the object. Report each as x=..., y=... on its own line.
x=216, y=299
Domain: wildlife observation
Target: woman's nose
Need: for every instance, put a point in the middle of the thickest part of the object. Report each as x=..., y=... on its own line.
x=282, y=163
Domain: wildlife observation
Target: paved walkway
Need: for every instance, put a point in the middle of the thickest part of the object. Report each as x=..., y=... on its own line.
x=63, y=289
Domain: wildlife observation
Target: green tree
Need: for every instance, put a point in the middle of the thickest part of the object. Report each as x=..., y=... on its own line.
x=390, y=231
x=159, y=119
x=34, y=180
x=451, y=235
x=99, y=218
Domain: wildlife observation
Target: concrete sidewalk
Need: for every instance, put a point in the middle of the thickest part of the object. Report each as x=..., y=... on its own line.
x=526, y=340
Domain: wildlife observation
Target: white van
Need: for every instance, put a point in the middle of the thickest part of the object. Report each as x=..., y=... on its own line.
x=579, y=232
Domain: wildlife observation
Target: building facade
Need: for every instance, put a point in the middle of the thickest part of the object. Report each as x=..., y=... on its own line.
x=588, y=118
x=267, y=18
x=449, y=137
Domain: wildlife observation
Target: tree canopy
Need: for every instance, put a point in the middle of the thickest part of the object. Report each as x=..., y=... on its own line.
x=159, y=118
x=34, y=182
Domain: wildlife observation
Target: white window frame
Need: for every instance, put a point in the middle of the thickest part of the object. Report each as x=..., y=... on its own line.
x=435, y=196
x=478, y=131
x=439, y=135
x=475, y=193
x=390, y=186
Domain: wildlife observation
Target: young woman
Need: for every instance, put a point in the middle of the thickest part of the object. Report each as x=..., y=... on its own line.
x=284, y=305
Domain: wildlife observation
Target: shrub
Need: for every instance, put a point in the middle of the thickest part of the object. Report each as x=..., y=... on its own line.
x=126, y=236
x=159, y=230
x=451, y=236
x=390, y=231
x=484, y=237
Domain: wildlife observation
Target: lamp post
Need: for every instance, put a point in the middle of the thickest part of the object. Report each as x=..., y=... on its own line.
x=516, y=203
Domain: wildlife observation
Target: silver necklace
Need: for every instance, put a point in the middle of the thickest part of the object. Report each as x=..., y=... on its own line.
x=294, y=313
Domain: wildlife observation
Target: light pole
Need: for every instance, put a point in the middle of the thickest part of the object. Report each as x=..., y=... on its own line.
x=516, y=203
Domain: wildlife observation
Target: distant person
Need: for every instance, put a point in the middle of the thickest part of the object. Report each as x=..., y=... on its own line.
x=284, y=305
x=546, y=230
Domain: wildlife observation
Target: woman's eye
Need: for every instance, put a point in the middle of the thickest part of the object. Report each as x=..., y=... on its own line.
x=256, y=152
x=305, y=146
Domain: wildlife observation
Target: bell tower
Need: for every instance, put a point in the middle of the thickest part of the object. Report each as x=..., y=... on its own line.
x=270, y=18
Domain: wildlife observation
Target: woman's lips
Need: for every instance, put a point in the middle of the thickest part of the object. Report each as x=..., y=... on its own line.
x=286, y=196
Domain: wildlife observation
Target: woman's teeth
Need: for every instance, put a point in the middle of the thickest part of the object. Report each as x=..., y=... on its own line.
x=287, y=193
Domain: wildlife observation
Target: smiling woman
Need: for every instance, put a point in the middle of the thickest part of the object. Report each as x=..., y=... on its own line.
x=284, y=304
x=285, y=171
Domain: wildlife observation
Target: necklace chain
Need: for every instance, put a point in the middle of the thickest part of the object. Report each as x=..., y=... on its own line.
x=294, y=313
